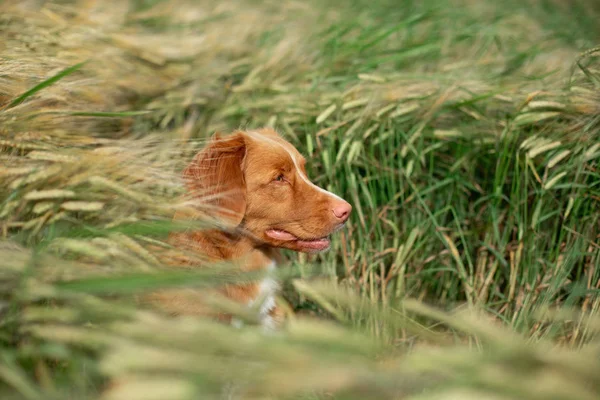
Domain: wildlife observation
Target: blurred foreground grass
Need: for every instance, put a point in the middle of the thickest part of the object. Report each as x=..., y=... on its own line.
x=466, y=135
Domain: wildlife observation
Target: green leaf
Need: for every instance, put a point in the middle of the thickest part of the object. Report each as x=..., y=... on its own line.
x=44, y=84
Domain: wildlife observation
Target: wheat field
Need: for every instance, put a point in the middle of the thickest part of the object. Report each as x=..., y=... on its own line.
x=465, y=133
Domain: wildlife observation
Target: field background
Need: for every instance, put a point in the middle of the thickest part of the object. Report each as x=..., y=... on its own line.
x=466, y=134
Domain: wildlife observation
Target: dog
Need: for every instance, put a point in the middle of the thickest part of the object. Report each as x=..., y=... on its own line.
x=259, y=188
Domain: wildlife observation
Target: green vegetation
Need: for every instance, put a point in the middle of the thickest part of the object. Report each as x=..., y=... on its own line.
x=465, y=133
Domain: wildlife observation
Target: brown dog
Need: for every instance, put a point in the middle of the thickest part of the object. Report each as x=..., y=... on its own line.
x=258, y=184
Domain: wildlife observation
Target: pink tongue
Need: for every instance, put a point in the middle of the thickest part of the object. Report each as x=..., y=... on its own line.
x=280, y=235
x=318, y=244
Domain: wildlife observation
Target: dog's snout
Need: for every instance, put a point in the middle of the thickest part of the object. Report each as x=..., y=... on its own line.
x=342, y=211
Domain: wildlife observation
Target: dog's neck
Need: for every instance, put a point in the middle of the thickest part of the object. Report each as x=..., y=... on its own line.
x=219, y=245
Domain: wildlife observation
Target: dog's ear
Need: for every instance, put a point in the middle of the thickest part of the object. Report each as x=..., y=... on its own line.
x=216, y=176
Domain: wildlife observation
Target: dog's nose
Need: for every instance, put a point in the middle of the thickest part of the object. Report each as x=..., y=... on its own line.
x=342, y=211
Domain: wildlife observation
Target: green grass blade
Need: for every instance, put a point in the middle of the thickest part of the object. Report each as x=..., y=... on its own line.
x=44, y=84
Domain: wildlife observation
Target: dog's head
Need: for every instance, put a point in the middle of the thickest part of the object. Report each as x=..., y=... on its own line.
x=259, y=183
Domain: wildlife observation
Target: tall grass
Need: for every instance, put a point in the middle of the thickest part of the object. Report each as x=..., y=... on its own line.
x=464, y=133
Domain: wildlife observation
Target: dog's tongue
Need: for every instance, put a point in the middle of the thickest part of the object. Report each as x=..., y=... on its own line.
x=280, y=235
x=317, y=244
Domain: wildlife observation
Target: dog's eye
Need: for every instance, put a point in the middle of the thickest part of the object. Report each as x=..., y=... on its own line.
x=280, y=178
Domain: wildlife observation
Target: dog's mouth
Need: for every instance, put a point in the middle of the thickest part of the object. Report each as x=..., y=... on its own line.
x=307, y=244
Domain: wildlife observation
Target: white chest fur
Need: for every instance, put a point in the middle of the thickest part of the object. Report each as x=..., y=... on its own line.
x=265, y=299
